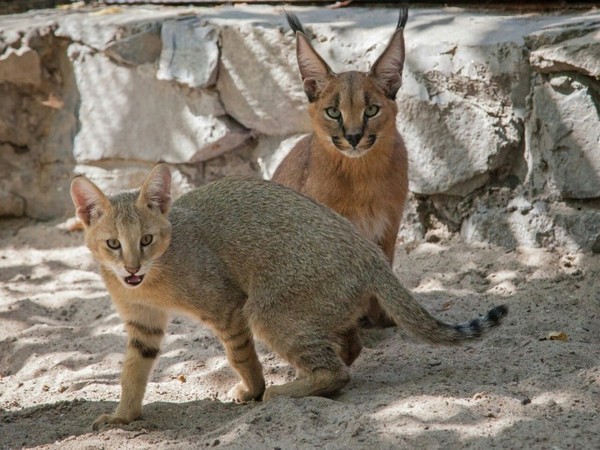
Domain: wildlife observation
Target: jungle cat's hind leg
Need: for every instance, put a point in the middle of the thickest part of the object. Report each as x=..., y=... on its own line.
x=319, y=369
x=376, y=316
x=350, y=346
x=238, y=341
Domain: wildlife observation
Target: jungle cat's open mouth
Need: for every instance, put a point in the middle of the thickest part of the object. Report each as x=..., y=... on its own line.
x=134, y=280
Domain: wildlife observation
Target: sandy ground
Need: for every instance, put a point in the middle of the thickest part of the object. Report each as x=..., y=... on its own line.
x=61, y=347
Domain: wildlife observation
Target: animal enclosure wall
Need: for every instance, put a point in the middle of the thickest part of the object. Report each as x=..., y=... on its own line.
x=499, y=111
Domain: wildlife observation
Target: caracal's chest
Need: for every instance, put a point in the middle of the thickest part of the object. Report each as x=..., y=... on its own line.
x=367, y=209
x=368, y=197
x=371, y=227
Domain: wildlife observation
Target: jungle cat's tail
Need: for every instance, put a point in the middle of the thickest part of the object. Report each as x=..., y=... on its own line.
x=399, y=303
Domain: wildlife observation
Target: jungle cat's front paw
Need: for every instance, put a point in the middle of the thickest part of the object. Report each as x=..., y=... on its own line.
x=240, y=394
x=110, y=419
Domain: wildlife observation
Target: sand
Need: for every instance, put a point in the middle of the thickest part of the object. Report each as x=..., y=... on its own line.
x=534, y=383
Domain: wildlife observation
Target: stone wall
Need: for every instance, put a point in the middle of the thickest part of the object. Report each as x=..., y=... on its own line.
x=499, y=111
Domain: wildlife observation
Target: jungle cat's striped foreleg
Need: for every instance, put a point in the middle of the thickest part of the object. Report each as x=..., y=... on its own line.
x=145, y=330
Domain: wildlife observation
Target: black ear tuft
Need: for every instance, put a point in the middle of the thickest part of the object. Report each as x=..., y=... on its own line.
x=387, y=70
x=313, y=69
x=402, y=18
x=294, y=22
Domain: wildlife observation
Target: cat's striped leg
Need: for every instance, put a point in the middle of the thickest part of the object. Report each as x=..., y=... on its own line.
x=238, y=341
x=145, y=331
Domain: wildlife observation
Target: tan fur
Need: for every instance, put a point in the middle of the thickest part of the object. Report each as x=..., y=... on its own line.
x=251, y=259
x=366, y=183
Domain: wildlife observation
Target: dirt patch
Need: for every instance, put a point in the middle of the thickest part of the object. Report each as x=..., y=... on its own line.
x=62, y=344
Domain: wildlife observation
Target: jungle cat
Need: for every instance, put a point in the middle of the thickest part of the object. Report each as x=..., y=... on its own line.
x=251, y=259
x=355, y=161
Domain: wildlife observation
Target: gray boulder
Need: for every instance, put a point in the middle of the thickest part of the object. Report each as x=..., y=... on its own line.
x=258, y=80
x=190, y=53
x=126, y=113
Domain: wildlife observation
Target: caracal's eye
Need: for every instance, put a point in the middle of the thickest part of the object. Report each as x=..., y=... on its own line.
x=146, y=240
x=113, y=243
x=333, y=112
x=371, y=110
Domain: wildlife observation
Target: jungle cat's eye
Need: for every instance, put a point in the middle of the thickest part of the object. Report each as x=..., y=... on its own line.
x=146, y=240
x=371, y=110
x=333, y=112
x=113, y=244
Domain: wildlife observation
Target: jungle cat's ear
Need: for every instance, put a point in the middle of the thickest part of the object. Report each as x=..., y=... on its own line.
x=313, y=69
x=156, y=190
x=387, y=70
x=90, y=202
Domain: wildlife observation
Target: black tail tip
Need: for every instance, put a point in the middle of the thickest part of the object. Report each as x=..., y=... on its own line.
x=496, y=314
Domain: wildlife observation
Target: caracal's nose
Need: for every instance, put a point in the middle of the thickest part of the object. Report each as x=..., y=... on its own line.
x=354, y=139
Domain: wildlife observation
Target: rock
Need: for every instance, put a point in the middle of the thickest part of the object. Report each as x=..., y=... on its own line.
x=259, y=82
x=562, y=138
x=574, y=228
x=499, y=112
x=238, y=162
x=20, y=66
x=411, y=226
x=36, y=133
x=126, y=113
x=545, y=225
x=453, y=147
x=580, y=54
x=11, y=205
x=562, y=135
x=555, y=32
x=31, y=189
x=596, y=245
x=271, y=150
x=116, y=176
x=98, y=30
x=190, y=53
x=140, y=48
x=459, y=114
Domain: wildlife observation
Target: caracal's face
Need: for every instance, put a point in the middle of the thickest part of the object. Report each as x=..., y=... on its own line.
x=353, y=114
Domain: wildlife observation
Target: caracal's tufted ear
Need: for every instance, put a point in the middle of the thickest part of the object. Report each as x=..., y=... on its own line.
x=90, y=202
x=313, y=69
x=156, y=190
x=387, y=70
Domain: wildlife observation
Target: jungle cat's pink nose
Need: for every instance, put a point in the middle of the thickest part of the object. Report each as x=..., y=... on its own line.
x=132, y=270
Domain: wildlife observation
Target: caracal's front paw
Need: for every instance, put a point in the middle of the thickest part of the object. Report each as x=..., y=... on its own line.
x=110, y=419
x=240, y=394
